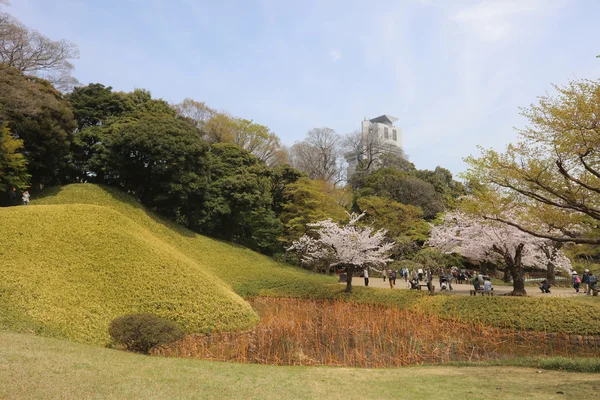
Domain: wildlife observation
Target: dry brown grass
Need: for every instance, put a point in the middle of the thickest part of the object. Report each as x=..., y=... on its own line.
x=308, y=332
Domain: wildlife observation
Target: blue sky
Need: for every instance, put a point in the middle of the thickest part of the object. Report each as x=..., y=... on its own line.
x=453, y=72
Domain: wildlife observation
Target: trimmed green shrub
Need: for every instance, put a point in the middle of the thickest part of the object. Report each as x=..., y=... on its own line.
x=141, y=332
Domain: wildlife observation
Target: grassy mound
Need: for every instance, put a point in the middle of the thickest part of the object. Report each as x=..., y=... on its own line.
x=82, y=255
x=247, y=272
x=72, y=269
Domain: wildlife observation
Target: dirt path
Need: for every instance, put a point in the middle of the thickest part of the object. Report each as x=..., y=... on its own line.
x=463, y=289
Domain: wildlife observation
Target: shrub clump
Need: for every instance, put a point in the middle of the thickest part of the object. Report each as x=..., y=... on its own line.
x=141, y=332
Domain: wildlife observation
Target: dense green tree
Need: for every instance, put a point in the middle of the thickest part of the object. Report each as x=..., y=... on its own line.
x=281, y=177
x=159, y=159
x=404, y=223
x=142, y=102
x=95, y=103
x=444, y=184
x=403, y=188
x=239, y=201
x=307, y=201
x=13, y=165
x=39, y=115
x=398, y=219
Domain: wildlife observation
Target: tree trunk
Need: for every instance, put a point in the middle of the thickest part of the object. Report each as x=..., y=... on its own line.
x=506, y=277
x=550, y=277
x=518, y=281
x=517, y=272
x=349, y=273
x=515, y=266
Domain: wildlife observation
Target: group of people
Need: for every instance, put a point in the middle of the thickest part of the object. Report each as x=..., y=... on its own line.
x=588, y=279
x=25, y=196
x=481, y=282
x=414, y=278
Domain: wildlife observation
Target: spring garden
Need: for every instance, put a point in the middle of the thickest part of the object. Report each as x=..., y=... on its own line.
x=164, y=250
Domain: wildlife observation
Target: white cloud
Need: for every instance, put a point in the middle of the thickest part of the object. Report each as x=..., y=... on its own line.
x=335, y=55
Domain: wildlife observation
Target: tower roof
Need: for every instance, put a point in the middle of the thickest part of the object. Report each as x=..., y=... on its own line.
x=385, y=119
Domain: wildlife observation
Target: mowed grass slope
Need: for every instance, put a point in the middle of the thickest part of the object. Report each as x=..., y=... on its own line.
x=247, y=272
x=68, y=270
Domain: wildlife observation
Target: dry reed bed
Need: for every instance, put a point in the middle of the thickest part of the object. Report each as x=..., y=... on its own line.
x=337, y=333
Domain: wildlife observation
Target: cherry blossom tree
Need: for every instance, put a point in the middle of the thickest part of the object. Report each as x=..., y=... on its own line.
x=489, y=241
x=351, y=246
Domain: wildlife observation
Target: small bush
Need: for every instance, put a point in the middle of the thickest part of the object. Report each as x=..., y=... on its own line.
x=141, y=332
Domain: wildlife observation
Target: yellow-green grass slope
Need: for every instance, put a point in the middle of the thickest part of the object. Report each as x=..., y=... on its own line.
x=85, y=254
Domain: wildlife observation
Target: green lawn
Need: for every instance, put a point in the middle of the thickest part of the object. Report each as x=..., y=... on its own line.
x=32, y=367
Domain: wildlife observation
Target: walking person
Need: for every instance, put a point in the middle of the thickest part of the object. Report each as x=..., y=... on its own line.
x=366, y=276
x=591, y=282
x=420, y=274
x=576, y=281
x=584, y=280
x=384, y=274
x=393, y=275
x=25, y=198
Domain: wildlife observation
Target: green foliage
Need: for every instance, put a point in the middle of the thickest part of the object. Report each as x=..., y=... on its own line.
x=550, y=177
x=435, y=259
x=442, y=181
x=307, y=201
x=69, y=269
x=159, y=159
x=95, y=104
x=397, y=218
x=403, y=188
x=143, y=103
x=238, y=205
x=141, y=332
x=13, y=165
x=42, y=118
x=410, y=264
x=281, y=177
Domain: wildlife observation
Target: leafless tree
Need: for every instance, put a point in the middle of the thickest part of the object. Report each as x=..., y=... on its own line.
x=196, y=112
x=364, y=149
x=31, y=52
x=371, y=152
x=319, y=155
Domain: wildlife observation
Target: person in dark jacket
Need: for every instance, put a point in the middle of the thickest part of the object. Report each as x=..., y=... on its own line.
x=545, y=286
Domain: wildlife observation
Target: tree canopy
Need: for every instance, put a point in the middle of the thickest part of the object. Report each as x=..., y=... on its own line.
x=480, y=240
x=551, y=176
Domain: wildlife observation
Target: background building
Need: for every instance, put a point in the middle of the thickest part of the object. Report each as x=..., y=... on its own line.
x=377, y=136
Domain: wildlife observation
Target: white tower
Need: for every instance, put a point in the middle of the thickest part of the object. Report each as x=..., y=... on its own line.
x=381, y=133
